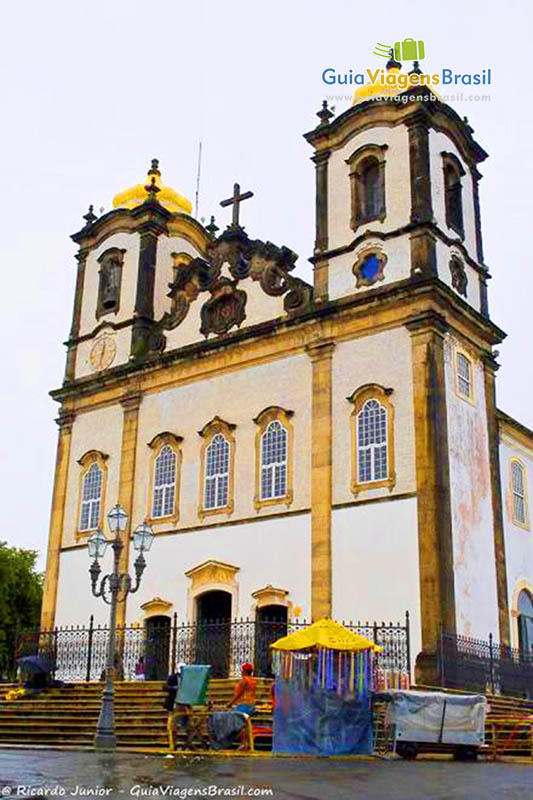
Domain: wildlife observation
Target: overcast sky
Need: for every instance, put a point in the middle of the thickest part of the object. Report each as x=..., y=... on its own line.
x=91, y=92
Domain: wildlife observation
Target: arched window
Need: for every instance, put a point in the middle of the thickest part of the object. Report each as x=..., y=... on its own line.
x=372, y=438
x=217, y=459
x=274, y=461
x=273, y=444
x=370, y=189
x=91, y=498
x=110, y=280
x=464, y=376
x=525, y=622
x=367, y=177
x=372, y=442
x=217, y=473
x=164, y=495
x=518, y=487
x=453, y=171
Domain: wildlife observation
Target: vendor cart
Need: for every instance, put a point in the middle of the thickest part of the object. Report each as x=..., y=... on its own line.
x=436, y=722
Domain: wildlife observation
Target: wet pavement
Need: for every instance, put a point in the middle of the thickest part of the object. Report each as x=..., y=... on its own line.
x=50, y=774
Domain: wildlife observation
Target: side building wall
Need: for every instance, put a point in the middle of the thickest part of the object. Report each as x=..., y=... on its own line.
x=471, y=502
x=516, y=444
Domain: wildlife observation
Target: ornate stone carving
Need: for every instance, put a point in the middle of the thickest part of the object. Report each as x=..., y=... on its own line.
x=212, y=572
x=156, y=607
x=262, y=261
x=459, y=276
x=224, y=310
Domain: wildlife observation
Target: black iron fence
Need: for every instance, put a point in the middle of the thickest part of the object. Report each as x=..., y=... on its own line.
x=484, y=666
x=79, y=653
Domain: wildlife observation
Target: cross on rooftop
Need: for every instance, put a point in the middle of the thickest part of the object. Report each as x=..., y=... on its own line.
x=235, y=201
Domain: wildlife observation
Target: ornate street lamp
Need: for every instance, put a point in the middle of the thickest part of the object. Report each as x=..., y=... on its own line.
x=114, y=588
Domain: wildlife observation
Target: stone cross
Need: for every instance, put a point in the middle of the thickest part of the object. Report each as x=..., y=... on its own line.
x=235, y=201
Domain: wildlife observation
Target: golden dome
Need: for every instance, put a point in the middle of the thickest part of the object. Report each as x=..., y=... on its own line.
x=171, y=200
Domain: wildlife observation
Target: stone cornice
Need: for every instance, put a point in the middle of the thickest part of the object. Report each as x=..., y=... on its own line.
x=404, y=230
x=516, y=430
x=389, y=113
x=148, y=217
x=368, y=303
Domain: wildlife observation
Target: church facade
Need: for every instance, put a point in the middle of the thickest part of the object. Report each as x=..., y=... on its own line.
x=332, y=449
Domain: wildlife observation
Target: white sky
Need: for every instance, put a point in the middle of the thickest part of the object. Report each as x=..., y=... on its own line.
x=91, y=92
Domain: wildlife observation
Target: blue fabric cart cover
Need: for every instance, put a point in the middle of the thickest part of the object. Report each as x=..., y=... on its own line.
x=193, y=684
x=320, y=722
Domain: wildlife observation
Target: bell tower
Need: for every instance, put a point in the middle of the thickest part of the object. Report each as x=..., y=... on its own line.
x=398, y=232
x=397, y=196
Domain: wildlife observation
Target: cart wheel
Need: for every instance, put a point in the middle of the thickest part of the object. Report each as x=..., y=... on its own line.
x=408, y=750
x=465, y=754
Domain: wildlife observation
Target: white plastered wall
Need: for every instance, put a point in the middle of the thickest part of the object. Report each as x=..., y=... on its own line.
x=237, y=397
x=100, y=430
x=438, y=143
x=397, y=182
x=253, y=547
x=385, y=359
x=473, y=289
x=259, y=307
x=342, y=280
x=471, y=503
x=518, y=539
x=124, y=241
x=164, y=273
x=397, y=198
x=375, y=565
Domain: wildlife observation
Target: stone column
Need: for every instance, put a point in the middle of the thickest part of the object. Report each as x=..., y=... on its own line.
x=130, y=403
x=423, y=243
x=321, y=267
x=321, y=479
x=70, y=370
x=435, y=545
x=489, y=370
x=65, y=422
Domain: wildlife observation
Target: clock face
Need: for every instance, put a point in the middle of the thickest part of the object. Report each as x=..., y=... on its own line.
x=103, y=352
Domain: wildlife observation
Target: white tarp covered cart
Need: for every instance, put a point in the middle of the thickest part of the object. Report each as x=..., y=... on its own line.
x=436, y=721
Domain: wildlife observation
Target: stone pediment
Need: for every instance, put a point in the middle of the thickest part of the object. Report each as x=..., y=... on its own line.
x=211, y=572
x=231, y=258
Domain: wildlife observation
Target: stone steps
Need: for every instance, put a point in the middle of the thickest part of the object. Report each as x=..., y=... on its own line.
x=67, y=716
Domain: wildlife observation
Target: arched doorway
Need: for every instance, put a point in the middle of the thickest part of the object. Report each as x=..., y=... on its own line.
x=270, y=625
x=213, y=631
x=525, y=622
x=157, y=647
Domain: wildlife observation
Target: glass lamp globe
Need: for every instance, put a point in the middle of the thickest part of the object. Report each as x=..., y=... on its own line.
x=143, y=536
x=96, y=544
x=117, y=519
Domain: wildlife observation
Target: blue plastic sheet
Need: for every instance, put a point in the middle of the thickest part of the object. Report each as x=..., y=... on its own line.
x=320, y=722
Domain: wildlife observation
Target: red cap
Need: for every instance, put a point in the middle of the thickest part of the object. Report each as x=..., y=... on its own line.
x=247, y=667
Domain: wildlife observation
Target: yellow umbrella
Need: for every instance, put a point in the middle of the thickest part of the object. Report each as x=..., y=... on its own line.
x=325, y=633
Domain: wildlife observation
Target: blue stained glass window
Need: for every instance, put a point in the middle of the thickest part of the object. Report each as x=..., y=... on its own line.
x=370, y=267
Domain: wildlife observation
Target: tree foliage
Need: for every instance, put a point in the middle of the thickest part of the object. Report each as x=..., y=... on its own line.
x=21, y=591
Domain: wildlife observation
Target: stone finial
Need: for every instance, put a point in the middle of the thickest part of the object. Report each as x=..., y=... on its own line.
x=324, y=114
x=154, y=169
x=416, y=69
x=212, y=228
x=152, y=188
x=392, y=63
x=90, y=217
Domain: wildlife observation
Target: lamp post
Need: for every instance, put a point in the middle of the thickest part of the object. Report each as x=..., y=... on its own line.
x=114, y=587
